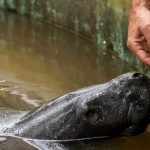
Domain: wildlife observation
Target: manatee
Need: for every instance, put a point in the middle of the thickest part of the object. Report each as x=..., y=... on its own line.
x=120, y=107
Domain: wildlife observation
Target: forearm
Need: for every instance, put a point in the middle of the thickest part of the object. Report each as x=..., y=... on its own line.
x=143, y=3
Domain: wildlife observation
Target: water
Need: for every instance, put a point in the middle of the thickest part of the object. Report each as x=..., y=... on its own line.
x=39, y=62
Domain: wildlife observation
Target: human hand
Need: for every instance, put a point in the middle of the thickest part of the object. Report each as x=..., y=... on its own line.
x=139, y=33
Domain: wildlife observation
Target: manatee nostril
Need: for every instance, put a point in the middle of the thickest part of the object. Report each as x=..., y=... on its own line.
x=137, y=75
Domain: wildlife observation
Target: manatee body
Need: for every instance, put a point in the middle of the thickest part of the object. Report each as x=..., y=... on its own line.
x=120, y=107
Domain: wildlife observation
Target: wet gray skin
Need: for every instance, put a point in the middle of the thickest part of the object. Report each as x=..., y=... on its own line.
x=120, y=107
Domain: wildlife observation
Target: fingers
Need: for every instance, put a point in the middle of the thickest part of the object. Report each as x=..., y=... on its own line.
x=138, y=49
x=143, y=56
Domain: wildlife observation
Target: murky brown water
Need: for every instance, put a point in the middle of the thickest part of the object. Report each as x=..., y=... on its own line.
x=39, y=62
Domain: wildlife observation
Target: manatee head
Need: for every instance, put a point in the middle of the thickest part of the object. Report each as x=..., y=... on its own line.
x=121, y=106
x=135, y=91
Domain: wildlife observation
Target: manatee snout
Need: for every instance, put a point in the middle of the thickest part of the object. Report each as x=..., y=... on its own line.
x=138, y=75
x=137, y=94
x=141, y=76
x=135, y=76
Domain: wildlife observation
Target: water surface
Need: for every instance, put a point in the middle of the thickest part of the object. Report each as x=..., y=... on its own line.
x=39, y=62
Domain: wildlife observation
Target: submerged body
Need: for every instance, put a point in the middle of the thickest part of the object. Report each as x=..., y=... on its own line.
x=120, y=107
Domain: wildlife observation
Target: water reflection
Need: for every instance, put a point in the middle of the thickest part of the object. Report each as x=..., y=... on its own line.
x=134, y=143
x=115, y=144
